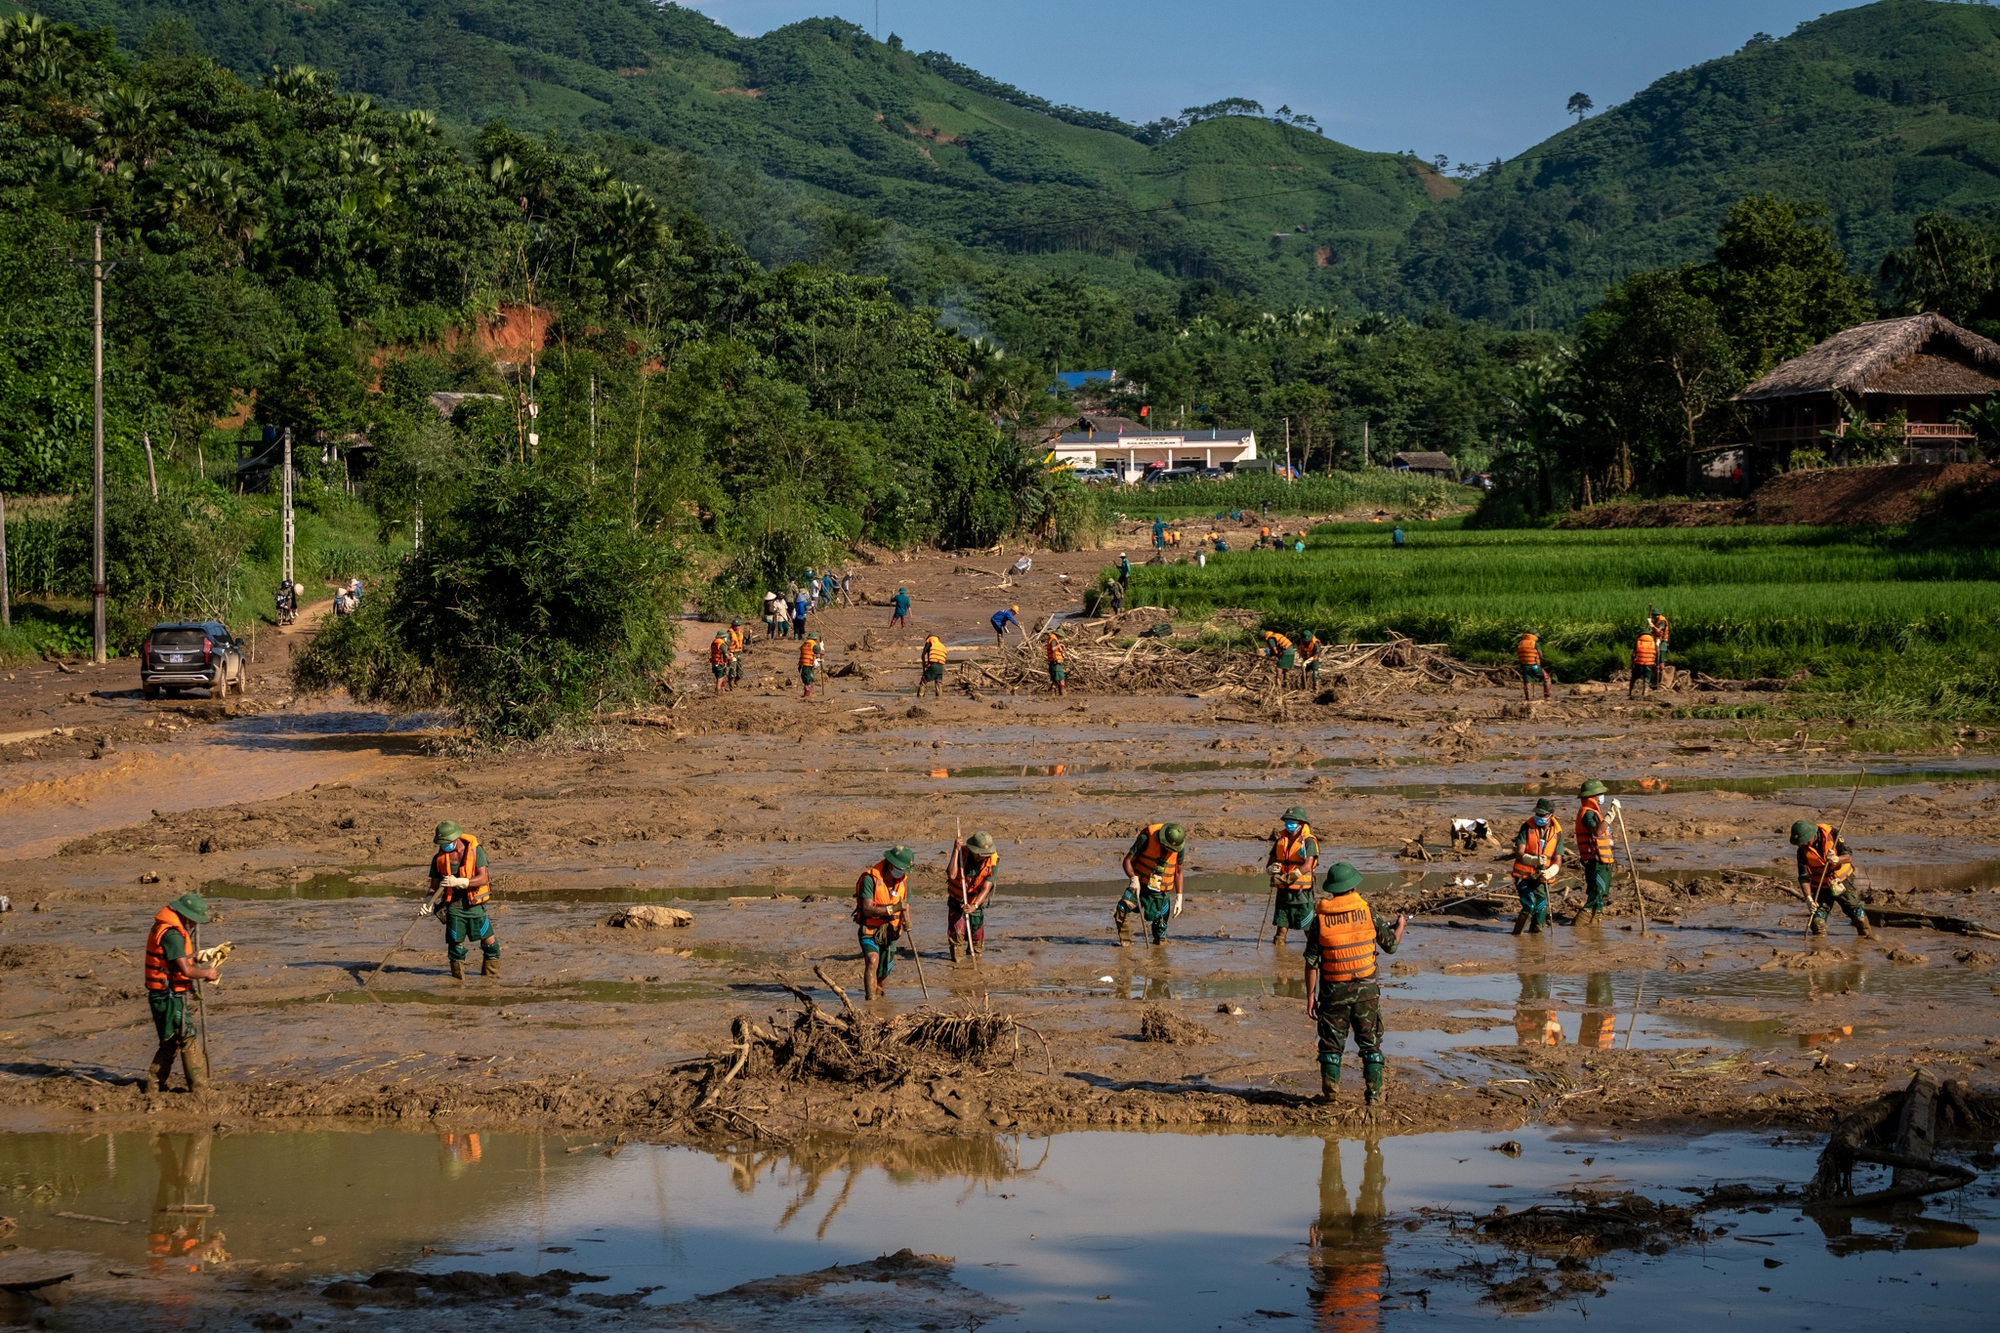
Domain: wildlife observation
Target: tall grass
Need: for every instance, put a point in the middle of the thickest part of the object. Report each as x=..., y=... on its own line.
x=1321, y=493
x=1896, y=629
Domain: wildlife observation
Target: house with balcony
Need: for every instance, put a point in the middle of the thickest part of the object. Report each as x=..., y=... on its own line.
x=1922, y=366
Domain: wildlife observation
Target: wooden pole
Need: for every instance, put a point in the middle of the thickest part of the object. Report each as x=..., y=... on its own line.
x=1632, y=865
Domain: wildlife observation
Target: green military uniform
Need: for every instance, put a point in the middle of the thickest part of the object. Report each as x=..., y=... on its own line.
x=1156, y=856
x=464, y=910
x=1353, y=1005
x=1532, y=889
x=167, y=993
x=1817, y=845
x=1292, y=905
x=1594, y=832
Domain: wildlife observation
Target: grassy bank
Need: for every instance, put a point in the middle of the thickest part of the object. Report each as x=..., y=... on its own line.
x=1892, y=628
x=1401, y=493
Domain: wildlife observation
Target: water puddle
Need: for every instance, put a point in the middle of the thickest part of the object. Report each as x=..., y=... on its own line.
x=1089, y=1230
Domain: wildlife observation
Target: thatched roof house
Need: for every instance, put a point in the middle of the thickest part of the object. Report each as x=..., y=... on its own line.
x=1923, y=366
x=1428, y=462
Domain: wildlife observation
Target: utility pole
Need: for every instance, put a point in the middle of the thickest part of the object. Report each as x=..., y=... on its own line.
x=98, y=267
x=152, y=477
x=1288, y=449
x=286, y=509
x=1364, y=442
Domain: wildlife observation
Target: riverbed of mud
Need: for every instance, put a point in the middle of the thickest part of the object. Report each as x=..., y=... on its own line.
x=307, y=821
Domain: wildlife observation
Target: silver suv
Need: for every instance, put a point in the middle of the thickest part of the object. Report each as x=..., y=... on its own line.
x=190, y=655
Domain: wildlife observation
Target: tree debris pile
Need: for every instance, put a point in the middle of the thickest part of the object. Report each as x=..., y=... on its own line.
x=459, y=1287
x=1630, y=1222
x=1900, y=1131
x=1157, y=665
x=1157, y=1024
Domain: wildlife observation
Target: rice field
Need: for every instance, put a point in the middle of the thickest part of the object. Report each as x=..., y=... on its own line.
x=1894, y=627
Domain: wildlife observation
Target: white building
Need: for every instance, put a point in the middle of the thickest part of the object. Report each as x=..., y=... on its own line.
x=1136, y=447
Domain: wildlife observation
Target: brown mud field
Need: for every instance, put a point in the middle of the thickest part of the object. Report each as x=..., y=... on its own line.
x=742, y=1031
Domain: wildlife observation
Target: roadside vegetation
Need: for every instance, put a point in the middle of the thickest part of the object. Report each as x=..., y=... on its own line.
x=1888, y=627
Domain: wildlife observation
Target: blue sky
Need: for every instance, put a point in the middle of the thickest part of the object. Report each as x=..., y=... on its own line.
x=1473, y=79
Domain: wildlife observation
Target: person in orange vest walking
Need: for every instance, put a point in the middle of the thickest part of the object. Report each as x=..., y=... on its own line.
x=1058, y=669
x=1293, y=861
x=932, y=659
x=809, y=656
x=1594, y=849
x=459, y=868
x=1538, y=849
x=719, y=658
x=736, y=641
x=969, y=881
x=1342, y=994
x=1528, y=655
x=1151, y=864
x=1645, y=665
x=1826, y=873
x=171, y=971
x=881, y=911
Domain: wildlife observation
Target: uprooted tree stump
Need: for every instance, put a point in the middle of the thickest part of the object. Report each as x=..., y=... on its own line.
x=1897, y=1131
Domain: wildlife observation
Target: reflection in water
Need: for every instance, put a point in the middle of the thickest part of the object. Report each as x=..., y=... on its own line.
x=1536, y=1024
x=981, y=1162
x=456, y=1152
x=1349, y=1246
x=1600, y=1025
x=1908, y=1232
x=179, y=1231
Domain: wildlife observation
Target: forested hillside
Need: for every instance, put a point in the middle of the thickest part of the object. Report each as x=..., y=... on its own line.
x=805, y=141
x=1881, y=113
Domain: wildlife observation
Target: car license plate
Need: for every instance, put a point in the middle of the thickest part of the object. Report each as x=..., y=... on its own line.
x=177, y=657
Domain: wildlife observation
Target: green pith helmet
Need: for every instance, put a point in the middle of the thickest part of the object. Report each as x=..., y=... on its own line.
x=1298, y=812
x=448, y=833
x=1545, y=806
x=1804, y=832
x=1174, y=836
x=192, y=906
x=1592, y=788
x=900, y=858
x=1343, y=878
x=981, y=842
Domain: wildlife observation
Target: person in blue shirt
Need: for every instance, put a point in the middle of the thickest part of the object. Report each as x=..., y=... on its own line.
x=1001, y=620
x=1159, y=532
x=1396, y=538
x=1124, y=569
x=901, y=614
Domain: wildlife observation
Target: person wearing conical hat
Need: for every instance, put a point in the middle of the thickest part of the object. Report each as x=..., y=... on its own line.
x=881, y=911
x=1342, y=994
x=969, y=882
x=171, y=970
x=1538, y=850
x=1293, y=861
x=1594, y=850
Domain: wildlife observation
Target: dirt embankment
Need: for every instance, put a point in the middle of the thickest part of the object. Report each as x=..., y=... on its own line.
x=1832, y=497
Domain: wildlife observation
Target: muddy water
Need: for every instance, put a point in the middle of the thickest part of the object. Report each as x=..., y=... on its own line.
x=1089, y=1230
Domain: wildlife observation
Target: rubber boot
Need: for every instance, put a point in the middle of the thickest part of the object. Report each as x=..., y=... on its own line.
x=458, y=969
x=1861, y=926
x=1520, y=920
x=195, y=1066
x=1535, y=926
x=1819, y=923
x=155, y=1078
x=954, y=949
x=1372, y=1068
x=1329, y=1076
x=489, y=967
x=1124, y=930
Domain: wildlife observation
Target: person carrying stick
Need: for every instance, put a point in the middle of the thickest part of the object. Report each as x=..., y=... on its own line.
x=1594, y=850
x=172, y=969
x=1153, y=862
x=882, y=910
x=969, y=886
x=459, y=869
x=1826, y=873
x=1294, y=857
x=1538, y=860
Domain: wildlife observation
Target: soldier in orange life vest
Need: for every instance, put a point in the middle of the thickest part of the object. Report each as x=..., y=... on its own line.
x=1826, y=875
x=1341, y=991
x=459, y=872
x=881, y=910
x=1058, y=671
x=968, y=887
x=1661, y=629
x=809, y=654
x=1349, y=1249
x=1537, y=861
x=719, y=658
x=1593, y=848
x=171, y=971
x=736, y=640
x=933, y=664
x=1528, y=655
x=1294, y=857
x=1152, y=862
x=1645, y=665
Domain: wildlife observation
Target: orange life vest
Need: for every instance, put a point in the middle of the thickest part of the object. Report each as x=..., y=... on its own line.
x=1313, y=647
x=1662, y=629
x=1543, y=843
x=1276, y=642
x=735, y=640
x=1528, y=652
x=968, y=888
x=158, y=975
x=1295, y=868
x=1055, y=649
x=1644, y=653
x=1593, y=846
x=468, y=861
x=1344, y=930
x=718, y=650
x=876, y=901
x=1156, y=858
x=934, y=651
x=1817, y=853
x=809, y=654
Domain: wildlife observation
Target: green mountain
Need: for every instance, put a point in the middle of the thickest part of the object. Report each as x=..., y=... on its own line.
x=800, y=139
x=1881, y=113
